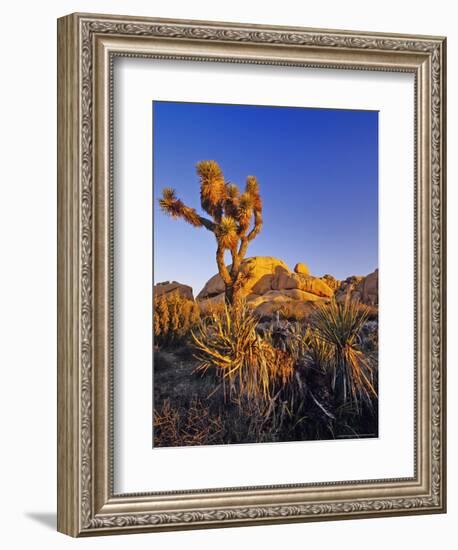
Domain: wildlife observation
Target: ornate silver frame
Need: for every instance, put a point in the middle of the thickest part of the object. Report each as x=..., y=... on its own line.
x=87, y=44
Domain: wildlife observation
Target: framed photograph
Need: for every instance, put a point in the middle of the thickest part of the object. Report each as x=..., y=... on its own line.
x=251, y=290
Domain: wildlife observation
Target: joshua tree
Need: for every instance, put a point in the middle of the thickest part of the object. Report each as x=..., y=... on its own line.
x=231, y=214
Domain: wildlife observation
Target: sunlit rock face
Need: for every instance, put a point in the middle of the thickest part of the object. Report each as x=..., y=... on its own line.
x=302, y=269
x=167, y=287
x=270, y=286
x=362, y=289
x=257, y=271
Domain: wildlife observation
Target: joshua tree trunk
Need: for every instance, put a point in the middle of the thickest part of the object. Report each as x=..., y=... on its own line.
x=229, y=295
x=230, y=278
x=231, y=213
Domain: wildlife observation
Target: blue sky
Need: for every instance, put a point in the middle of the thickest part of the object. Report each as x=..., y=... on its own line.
x=318, y=175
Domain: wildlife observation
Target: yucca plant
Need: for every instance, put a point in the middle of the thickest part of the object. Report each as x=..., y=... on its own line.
x=248, y=364
x=318, y=352
x=236, y=219
x=338, y=326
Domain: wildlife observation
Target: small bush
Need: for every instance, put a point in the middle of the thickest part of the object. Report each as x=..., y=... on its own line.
x=209, y=310
x=174, y=318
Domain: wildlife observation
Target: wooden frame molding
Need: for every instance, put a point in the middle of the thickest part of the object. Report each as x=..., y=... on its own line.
x=87, y=45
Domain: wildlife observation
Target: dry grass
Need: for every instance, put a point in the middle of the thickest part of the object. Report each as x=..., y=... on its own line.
x=194, y=425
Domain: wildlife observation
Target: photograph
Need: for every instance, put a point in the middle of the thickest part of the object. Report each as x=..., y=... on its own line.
x=265, y=253
x=251, y=273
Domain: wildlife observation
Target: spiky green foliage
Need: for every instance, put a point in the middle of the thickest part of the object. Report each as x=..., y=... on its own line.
x=252, y=188
x=236, y=218
x=319, y=352
x=177, y=209
x=338, y=325
x=227, y=233
x=231, y=204
x=212, y=188
x=245, y=211
x=232, y=191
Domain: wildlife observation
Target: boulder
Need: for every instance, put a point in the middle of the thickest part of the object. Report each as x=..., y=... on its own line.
x=213, y=287
x=167, y=287
x=290, y=303
x=270, y=286
x=258, y=271
x=264, y=284
x=302, y=269
x=331, y=281
x=315, y=286
x=285, y=280
x=294, y=309
x=347, y=288
x=301, y=295
x=281, y=297
x=369, y=289
x=289, y=294
x=361, y=289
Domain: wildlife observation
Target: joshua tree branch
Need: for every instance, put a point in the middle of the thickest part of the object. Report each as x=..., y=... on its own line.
x=245, y=239
x=243, y=248
x=257, y=226
x=175, y=208
x=208, y=224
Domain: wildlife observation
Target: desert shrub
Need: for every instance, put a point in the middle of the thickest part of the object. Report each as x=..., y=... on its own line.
x=338, y=325
x=299, y=340
x=369, y=337
x=248, y=364
x=186, y=426
x=210, y=309
x=310, y=355
x=174, y=318
x=289, y=312
x=282, y=311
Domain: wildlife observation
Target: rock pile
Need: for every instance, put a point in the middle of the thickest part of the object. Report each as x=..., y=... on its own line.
x=270, y=286
x=168, y=287
x=363, y=289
